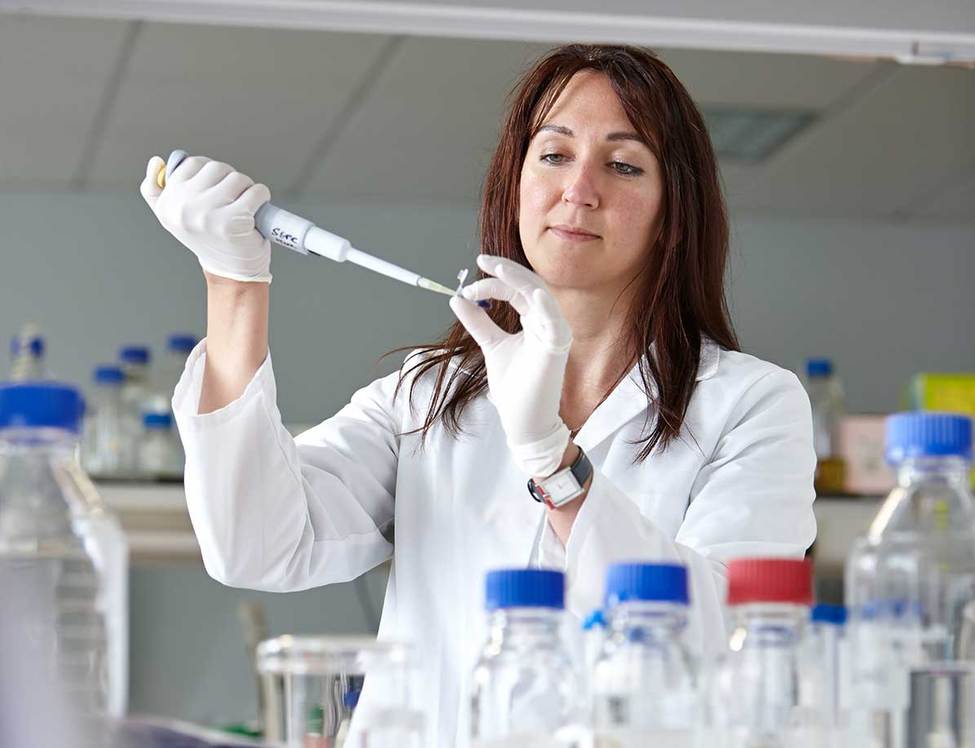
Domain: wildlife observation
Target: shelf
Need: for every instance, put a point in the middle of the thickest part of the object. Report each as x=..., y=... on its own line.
x=840, y=521
x=155, y=519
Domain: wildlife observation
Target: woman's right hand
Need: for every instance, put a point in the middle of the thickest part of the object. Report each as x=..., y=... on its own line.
x=209, y=207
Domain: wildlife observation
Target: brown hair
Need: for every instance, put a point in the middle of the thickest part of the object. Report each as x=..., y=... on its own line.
x=682, y=292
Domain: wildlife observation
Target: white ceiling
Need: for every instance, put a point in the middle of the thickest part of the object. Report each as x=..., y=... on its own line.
x=405, y=119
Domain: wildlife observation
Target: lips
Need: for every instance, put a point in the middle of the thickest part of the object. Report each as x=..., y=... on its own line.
x=573, y=233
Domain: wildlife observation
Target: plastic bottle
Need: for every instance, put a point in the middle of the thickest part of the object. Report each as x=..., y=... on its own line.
x=823, y=668
x=593, y=639
x=178, y=347
x=52, y=549
x=27, y=350
x=110, y=432
x=525, y=690
x=826, y=398
x=753, y=697
x=160, y=453
x=645, y=684
x=910, y=582
x=135, y=361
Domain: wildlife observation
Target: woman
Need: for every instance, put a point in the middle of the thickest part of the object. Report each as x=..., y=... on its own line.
x=610, y=353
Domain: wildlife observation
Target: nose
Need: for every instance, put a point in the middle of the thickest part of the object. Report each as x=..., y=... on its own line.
x=580, y=189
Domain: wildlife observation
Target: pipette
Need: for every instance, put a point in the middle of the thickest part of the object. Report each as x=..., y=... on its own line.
x=302, y=236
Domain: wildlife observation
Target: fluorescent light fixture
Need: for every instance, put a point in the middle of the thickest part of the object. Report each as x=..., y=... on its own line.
x=752, y=135
x=529, y=24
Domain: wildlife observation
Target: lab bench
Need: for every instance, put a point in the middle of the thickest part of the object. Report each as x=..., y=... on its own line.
x=156, y=521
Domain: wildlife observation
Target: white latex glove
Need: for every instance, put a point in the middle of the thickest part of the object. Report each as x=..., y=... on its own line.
x=209, y=207
x=524, y=370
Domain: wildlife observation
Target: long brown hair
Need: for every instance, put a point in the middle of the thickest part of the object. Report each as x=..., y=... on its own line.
x=682, y=297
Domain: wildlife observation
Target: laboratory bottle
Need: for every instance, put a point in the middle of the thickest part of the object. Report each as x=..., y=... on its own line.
x=753, y=693
x=526, y=691
x=27, y=352
x=645, y=683
x=160, y=453
x=178, y=347
x=167, y=373
x=910, y=581
x=823, y=668
x=137, y=387
x=593, y=639
x=110, y=431
x=50, y=554
x=826, y=398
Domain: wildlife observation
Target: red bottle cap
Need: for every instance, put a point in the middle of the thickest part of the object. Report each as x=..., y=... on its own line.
x=770, y=580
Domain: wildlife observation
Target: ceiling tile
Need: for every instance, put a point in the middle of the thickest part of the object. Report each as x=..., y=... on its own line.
x=53, y=73
x=429, y=126
x=876, y=157
x=259, y=99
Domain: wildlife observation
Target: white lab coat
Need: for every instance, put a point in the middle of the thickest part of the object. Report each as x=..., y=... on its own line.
x=276, y=513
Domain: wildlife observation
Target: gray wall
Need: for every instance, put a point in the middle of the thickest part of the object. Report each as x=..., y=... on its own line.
x=884, y=300
x=96, y=270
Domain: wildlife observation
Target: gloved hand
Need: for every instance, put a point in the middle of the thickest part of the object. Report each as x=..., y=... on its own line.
x=209, y=207
x=524, y=370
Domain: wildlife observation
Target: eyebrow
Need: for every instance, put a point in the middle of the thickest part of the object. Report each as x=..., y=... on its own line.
x=612, y=136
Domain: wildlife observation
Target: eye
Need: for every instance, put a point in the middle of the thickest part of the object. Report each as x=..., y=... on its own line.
x=552, y=158
x=627, y=170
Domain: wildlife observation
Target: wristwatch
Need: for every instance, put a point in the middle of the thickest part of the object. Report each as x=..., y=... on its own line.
x=563, y=486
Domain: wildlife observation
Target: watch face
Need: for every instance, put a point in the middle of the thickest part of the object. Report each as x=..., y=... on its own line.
x=561, y=487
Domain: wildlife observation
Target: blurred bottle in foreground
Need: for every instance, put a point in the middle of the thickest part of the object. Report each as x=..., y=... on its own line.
x=526, y=691
x=910, y=582
x=826, y=397
x=644, y=683
x=62, y=553
x=754, y=695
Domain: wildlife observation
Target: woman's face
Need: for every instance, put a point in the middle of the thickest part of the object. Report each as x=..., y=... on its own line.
x=586, y=169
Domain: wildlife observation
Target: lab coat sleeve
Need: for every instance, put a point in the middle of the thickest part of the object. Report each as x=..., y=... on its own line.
x=753, y=497
x=277, y=513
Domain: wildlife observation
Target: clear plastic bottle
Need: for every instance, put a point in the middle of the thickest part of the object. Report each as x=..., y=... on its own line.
x=910, y=582
x=526, y=692
x=160, y=453
x=111, y=432
x=27, y=350
x=51, y=553
x=178, y=347
x=645, y=683
x=826, y=398
x=753, y=697
x=137, y=387
x=824, y=654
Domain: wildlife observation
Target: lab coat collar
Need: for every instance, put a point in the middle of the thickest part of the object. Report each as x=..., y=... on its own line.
x=629, y=398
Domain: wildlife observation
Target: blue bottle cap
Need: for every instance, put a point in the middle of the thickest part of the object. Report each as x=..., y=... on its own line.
x=596, y=619
x=33, y=345
x=134, y=354
x=823, y=613
x=925, y=434
x=157, y=420
x=524, y=588
x=181, y=342
x=109, y=374
x=646, y=582
x=41, y=404
x=819, y=367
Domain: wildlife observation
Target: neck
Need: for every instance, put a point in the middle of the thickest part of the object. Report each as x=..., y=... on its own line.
x=601, y=350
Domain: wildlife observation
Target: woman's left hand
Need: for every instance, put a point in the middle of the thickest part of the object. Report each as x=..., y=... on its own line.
x=525, y=369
